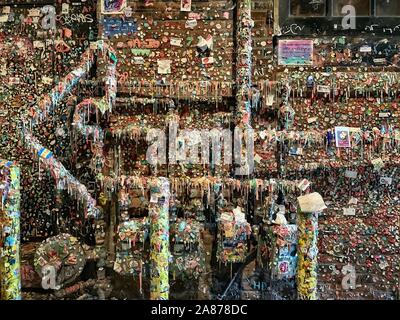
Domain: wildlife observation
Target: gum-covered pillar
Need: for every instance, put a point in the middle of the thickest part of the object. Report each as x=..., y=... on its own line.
x=244, y=62
x=307, y=263
x=159, y=238
x=10, y=276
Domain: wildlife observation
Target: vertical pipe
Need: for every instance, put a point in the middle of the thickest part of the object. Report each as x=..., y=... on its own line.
x=244, y=62
x=159, y=238
x=10, y=276
x=307, y=255
x=111, y=232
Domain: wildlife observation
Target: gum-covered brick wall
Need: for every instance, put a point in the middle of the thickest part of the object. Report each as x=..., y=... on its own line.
x=347, y=86
x=32, y=59
x=160, y=43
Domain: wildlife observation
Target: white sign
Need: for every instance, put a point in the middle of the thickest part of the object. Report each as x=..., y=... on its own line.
x=351, y=174
x=349, y=211
x=386, y=180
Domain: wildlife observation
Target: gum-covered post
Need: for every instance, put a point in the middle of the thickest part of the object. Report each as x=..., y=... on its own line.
x=244, y=62
x=159, y=238
x=10, y=275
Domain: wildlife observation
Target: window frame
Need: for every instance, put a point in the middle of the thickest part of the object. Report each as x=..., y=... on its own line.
x=294, y=16
x=371, y=9
x=329, y=24
x=380, y=16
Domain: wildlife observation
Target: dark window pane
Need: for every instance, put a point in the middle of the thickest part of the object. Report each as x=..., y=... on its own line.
x=363, y=7
x=308, y=8
x=388, y=8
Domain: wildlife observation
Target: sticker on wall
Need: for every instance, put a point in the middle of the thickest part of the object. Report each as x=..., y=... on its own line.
x=349, y=211
x=295, y=52
x=186, y=5
x=118, y=27
x=113, y=6
x=164, y=66
x=342, y=135
x=386, y=181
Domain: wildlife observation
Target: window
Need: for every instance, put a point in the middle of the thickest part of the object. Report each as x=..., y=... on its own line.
x=387, y=8
x=363, y=7
x=307, y=8
x=325, y=16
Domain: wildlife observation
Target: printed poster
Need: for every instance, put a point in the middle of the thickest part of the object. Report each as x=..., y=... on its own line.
x=295, y=52
x=342, y=135
x=113, y=6
x=186, y=5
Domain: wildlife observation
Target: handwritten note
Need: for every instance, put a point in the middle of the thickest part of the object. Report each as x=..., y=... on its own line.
x=295, y=52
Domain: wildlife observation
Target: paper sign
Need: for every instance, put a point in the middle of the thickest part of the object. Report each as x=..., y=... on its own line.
x=207, y=60
x=4, y=18
x=226, y=217
x=365, y=49
x=153, y=198
x=7, y=10
x=176, y=42
x=349, y=211
x=380, y=61
x=384, y=114
x=295, y=52
x=240, y=217
x=191, y=23
x=65, y=8
x=386, y=181
x=311, y=202
x=323, y=89
x=164, y=66
x=186, y=5
x=138, y=60
x=117, y=26
x=342, y=135
x=351, y=174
